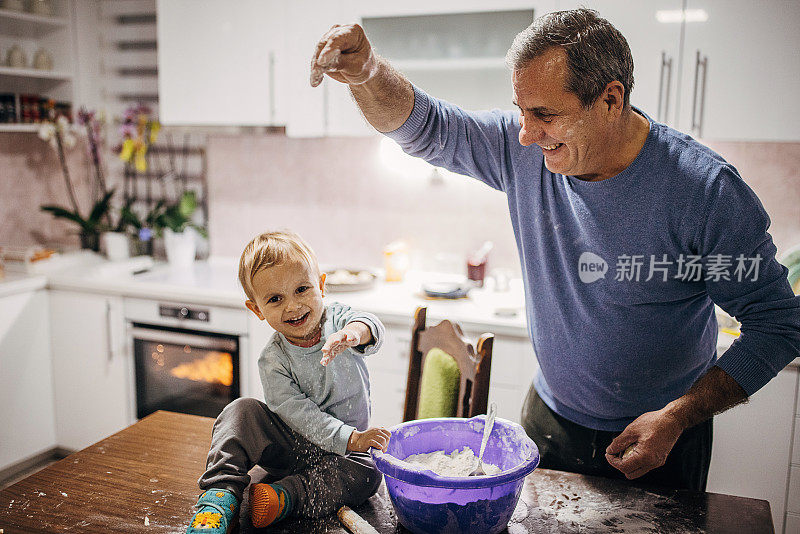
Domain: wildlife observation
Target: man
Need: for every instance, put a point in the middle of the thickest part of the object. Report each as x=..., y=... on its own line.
x=629, y=378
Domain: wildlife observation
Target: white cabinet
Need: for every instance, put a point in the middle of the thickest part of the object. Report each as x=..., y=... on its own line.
x=720, y=69
x=513, y=368
x=745, y=85
x=91, y=367
x=456, y=56
x=792, y=522
x=26, y=379
x=750, y=456
x=655, y=48
x=32, y=32
x=258, y=334
x=327, y=109
x=388, y=373
x=219, y=63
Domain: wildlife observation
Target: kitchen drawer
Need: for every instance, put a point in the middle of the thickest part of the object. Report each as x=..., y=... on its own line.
x=794, y=490
x=792, y=525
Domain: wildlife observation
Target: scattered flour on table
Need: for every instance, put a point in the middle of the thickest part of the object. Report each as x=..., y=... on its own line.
x=459, y=463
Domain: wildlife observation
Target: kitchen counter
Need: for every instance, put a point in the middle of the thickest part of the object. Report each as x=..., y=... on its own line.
x=144, y=479
x=216, y=283
x=15, y=282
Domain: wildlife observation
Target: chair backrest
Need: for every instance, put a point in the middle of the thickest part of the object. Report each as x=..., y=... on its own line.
x=474, y=365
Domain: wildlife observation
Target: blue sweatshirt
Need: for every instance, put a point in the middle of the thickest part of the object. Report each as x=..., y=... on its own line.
x=621, y=275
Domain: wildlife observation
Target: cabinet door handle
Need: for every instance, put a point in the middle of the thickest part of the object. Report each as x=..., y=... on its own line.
x=697, y=115
x=109, y=333
x=271, y=87
x=663, y=94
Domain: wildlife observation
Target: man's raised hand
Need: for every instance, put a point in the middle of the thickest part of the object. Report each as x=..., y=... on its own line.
x=344, y=54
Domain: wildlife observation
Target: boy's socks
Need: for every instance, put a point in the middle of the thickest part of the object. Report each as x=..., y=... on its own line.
x=217, y=512
x=269, y=503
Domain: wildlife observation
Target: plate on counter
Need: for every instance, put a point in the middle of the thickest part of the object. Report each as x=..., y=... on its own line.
x=446, y=290
x=348, y=279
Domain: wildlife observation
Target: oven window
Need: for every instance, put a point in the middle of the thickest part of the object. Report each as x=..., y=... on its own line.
x=184, y=370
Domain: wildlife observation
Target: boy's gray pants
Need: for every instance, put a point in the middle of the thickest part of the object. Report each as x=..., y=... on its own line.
x=319, y=482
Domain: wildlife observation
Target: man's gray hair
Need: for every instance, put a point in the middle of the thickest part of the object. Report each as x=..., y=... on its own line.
x=597, y=53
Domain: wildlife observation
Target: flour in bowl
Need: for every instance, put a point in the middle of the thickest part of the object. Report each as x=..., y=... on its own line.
x=459, y=463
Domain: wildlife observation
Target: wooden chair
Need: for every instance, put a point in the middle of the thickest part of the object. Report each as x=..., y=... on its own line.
x=474, y=366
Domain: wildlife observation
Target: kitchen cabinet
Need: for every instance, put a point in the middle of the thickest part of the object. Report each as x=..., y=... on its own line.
x=221, y=64
x=752, y=443
x=258, y=334
x=388, y=373
x=31, y=33
x=455, y=55
x=514, y=365
x=91, y=367
x=739, y=78
x=26, y=378
x=655, y=47
x=716, y=69
x=326, y=110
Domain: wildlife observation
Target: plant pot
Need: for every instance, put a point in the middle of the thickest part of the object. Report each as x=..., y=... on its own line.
x=116, y=245
x=90, y=240
x=180, y=248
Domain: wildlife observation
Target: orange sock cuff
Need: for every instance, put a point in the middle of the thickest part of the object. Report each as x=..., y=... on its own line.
x=269, y=503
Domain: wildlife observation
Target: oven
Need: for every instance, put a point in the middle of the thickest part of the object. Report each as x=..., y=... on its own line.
x=186, y=358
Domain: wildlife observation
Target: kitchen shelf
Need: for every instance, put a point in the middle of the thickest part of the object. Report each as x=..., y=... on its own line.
x=19, y=24
x=20, y=128
x=35, y=74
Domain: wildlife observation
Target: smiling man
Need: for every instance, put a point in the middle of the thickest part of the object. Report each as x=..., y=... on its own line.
x=628, y=232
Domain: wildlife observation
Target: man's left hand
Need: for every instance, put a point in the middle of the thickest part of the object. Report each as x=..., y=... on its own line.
x=644, y=444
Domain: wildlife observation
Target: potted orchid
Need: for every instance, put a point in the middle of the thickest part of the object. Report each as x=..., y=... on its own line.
x=60, y=134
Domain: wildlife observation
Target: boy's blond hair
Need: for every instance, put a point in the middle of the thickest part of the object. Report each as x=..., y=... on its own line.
x=270, y=249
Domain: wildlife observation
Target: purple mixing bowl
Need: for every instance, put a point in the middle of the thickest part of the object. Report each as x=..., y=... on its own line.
x=427, y=503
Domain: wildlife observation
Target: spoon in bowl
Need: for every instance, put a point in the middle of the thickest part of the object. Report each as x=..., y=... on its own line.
x=487, y=430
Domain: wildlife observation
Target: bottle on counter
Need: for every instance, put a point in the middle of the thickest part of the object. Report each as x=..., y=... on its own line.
x=476, y=263
x=395, y=260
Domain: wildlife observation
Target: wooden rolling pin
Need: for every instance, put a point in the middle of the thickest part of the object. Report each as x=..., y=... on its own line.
x=354, y=522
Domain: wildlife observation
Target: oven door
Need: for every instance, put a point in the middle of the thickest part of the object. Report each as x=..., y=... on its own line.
x=183, y=370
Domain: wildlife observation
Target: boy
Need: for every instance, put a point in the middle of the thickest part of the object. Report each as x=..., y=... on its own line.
x=311, y=435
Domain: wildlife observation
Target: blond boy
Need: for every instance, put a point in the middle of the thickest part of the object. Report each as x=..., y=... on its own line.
x=311, y=435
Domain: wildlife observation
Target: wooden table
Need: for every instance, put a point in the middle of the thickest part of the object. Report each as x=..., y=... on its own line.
x=144, y=479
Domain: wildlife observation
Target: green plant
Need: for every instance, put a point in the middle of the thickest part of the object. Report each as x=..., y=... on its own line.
x=177, y=216
x=93, y=224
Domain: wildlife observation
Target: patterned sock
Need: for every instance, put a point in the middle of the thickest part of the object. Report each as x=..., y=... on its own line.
x=269, y=503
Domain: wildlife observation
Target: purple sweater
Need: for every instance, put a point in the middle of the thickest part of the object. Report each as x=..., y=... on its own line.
x=621, y=275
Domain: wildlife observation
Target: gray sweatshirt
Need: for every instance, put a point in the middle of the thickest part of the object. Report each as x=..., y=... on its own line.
x=322, y=403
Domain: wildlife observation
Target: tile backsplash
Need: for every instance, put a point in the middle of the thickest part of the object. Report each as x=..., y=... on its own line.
x=30, y=176
x=338, y=194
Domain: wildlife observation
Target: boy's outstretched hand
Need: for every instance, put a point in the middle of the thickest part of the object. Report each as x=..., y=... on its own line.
x=376, y=438
x=352, y=335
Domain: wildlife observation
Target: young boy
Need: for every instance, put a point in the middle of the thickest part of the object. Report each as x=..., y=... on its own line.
x=312, y=434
